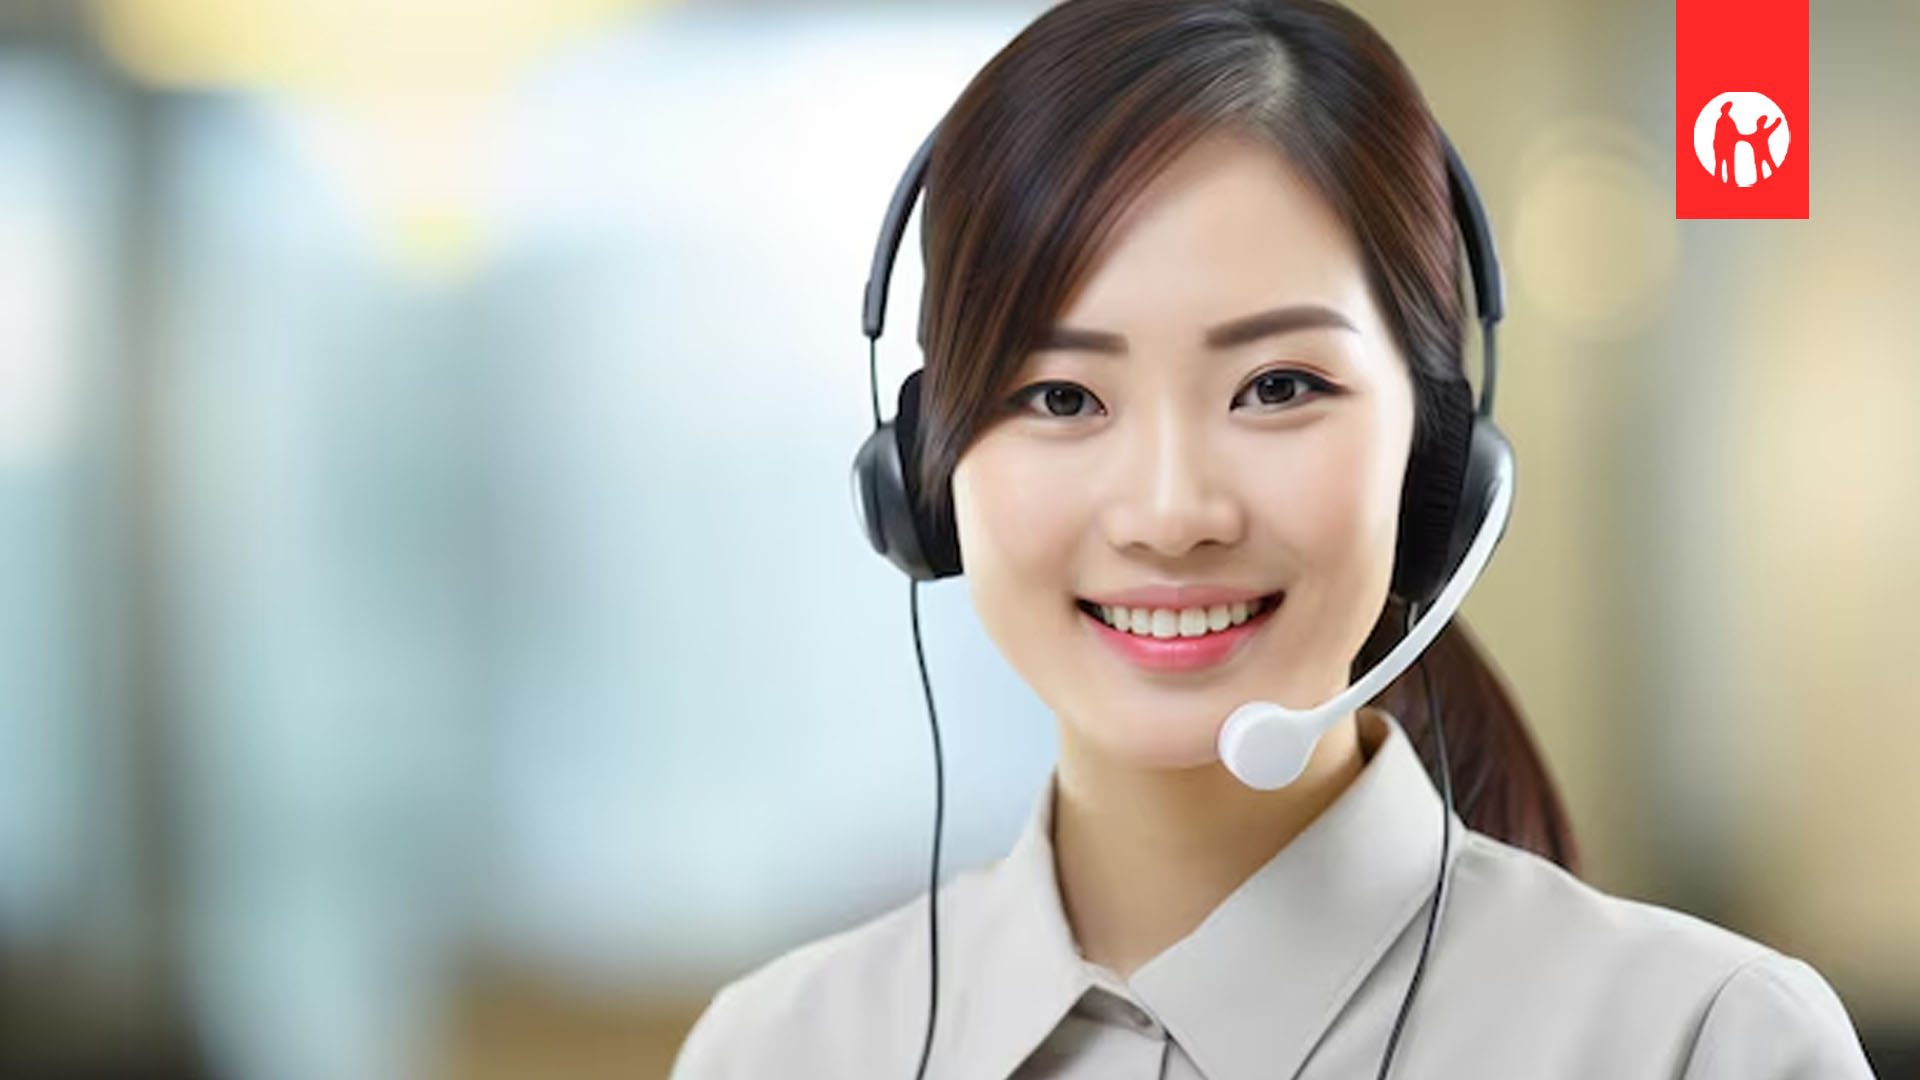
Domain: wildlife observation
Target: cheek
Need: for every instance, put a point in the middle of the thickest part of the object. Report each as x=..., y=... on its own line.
x=1337, y=503
x=1018, y=530
x=1010, y=520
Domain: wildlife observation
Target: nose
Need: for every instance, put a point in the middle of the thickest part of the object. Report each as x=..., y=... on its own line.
x=1172, y=492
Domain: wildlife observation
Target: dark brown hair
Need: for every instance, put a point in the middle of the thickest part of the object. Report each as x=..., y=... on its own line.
x=1051, y=141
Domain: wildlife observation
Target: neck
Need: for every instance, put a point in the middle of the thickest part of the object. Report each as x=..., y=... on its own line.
x=1143, y=855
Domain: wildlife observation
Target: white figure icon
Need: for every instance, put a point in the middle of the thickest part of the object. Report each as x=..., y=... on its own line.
x=1737, y=121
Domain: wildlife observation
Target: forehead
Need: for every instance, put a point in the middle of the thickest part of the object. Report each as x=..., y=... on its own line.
x=1229, y=227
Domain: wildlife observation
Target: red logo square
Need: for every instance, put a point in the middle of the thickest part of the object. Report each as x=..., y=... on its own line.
x=1740, y=109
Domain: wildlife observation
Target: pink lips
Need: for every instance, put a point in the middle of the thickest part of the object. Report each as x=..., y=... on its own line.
x=1182, y=653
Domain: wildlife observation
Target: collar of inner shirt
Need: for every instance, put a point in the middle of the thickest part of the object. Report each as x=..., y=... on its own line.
x=1249, y=991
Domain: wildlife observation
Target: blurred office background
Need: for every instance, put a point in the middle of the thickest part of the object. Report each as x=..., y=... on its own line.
x=435, y=640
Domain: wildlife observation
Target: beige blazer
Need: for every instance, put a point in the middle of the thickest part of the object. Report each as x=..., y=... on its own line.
x=1298, y=973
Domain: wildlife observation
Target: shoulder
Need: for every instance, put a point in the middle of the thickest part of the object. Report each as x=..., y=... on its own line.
x=1539, y=906
x=1721, y=1003
x=850, y=1003
x=1775, y=1016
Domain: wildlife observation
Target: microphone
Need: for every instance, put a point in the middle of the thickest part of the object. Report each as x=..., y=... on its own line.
x=1266, y=745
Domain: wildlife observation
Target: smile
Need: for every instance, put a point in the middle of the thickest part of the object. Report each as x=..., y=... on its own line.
x=1189, y=639
x=1182, y=622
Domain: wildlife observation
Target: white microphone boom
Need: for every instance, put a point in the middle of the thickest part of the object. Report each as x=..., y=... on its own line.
x=1267, y=745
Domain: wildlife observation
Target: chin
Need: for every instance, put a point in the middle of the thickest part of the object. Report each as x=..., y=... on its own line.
x=1157, y=741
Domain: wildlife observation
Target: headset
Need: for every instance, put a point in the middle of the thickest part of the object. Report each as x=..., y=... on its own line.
x=1456, y=500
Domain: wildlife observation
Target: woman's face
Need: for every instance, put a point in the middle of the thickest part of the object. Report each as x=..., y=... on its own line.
x=1150, y=445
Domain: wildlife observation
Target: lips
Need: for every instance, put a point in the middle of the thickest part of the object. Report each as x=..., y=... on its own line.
x=1185, y=620
x=1182, y=653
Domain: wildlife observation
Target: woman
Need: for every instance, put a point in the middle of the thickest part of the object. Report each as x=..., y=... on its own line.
x=1166, y=510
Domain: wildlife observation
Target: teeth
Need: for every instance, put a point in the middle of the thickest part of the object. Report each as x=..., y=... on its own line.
x=1185, y=622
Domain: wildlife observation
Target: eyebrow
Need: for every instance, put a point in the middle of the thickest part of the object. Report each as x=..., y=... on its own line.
x=1280, y=320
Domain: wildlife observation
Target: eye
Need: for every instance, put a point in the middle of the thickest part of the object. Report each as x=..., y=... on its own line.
x=1057, y=399
x=1282, y=385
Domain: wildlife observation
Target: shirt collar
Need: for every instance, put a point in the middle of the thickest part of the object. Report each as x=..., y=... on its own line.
x=1251, y=989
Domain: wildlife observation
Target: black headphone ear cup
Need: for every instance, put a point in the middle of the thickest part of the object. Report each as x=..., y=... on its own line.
x=885, y=471
x=1430, y=498
x=878, y=482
